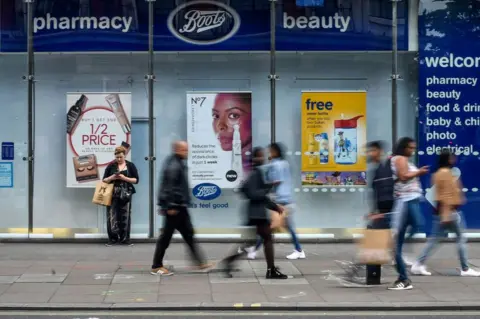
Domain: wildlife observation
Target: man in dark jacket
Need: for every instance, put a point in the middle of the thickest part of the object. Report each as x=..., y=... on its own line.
x=174, y=199
x=381, y=186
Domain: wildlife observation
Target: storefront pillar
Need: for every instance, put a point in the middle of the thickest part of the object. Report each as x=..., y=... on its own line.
x=395, y=76
x=150, y=78
x=30, y=78
x=273, y=77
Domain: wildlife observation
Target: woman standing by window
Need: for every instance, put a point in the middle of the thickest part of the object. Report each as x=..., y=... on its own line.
x=123, y=174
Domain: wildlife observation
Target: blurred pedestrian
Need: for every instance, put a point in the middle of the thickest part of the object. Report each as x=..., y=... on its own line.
x=258, y=220
x=382, y=186
x=174, y=199
x=278, y=174
x=408, y=192
x=447, y=217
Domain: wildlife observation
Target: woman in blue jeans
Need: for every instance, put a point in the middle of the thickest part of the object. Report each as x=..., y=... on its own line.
x=407, y=193
x=449, y=197
x=278, y=174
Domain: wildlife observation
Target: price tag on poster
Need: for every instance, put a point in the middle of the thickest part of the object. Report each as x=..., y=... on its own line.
x=97, y=123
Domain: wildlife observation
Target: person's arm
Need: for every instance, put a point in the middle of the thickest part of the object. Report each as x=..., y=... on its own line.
x=401, y=165
x=256, y=190
x=132, y=170
x=108, y=175
x=165, y=195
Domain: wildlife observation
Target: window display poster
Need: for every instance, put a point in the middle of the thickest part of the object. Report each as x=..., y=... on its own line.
x=96, y=124
x=333, y=138
x=219, y=126
x=6, y=175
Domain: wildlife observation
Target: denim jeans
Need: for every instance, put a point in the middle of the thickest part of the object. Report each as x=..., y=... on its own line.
x=438, y=229
x=410, y=215
x=291, y=229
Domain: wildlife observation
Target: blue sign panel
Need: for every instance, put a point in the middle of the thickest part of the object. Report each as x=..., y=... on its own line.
x=449, y=101
x=201, y=25
x=8, y=151
x=340, y=25
x=6, y=174
x=76, y=25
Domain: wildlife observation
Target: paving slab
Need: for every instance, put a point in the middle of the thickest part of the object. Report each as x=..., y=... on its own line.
x=62, y=276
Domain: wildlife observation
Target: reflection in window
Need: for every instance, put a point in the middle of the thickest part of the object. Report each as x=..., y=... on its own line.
x=383, y=9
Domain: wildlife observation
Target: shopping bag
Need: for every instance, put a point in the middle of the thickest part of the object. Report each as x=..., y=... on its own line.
x=278, y=221
x=103, y=194
x=375, y=247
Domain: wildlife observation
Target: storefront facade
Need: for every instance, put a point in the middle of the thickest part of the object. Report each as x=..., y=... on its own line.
x=160, y=56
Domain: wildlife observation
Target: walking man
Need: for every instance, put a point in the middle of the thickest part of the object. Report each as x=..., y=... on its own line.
x=174, y=199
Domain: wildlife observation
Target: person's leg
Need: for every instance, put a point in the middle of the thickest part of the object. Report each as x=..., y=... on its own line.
x=123, y=222
x=259, y=243
x=163, y=241
x=403, y=224
x=457, y=228
x=291, y=228
x=111, y=235
x=264, y=231
x=416, y=222
x=185, y=228
x=432, y=241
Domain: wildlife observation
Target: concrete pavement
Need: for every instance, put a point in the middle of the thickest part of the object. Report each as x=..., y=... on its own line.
x=91, y=276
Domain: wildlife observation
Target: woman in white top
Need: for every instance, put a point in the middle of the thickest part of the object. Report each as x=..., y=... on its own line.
x=407, y=193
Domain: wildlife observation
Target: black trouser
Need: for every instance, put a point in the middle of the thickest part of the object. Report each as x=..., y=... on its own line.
x=262, y=229
x=119, y=221
x=181, y=222
x=374, y=272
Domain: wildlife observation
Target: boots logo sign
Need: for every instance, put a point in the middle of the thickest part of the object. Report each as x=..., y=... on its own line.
x=206, y=191
x=203, y=22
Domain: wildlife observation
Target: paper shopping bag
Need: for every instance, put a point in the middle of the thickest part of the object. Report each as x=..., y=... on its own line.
x=375, y=247
x=278, y=221
x=103, y=194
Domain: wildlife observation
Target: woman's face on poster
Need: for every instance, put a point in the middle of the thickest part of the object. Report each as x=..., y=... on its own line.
x=230, y=109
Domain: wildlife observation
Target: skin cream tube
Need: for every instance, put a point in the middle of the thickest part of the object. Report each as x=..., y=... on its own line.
x=237, y=152
x=114, y=101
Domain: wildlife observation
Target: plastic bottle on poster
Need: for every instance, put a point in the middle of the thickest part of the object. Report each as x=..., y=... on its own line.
x=312, y=149
x=237, y=152
x=346, y=144
x=323, y=152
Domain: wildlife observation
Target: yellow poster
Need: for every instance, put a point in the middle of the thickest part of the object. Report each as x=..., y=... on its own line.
x=333, y=138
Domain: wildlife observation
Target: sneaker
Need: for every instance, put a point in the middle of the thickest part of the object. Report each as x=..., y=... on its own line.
x=273, y=273
x=297, y=255
x=252, y=255
x=161, y=271
x=408, y=262
x=401, y=285
x=420, y=270
x=470, y=273
x=110, y=243
x=206, y=266
x=250, y=249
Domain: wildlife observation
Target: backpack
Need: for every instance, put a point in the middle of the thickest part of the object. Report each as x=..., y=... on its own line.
x=383, y=182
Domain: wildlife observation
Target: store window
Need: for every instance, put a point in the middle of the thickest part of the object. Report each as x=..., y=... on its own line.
x=383, y=9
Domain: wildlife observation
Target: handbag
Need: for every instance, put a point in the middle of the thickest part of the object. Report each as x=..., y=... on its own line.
x=103, y=194
x=278, y=221
x=123, y=192
x=375, y=247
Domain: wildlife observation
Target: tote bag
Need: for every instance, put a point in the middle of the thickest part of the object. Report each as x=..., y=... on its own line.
x=103, y=194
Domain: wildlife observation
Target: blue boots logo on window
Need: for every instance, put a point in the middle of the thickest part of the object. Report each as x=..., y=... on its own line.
x=203, y=22
x=206, y=191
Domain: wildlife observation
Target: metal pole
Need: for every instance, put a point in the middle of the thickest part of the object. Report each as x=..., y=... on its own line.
x=151, y=128
x=30, y=78
x=273, y=77
x=395, y=75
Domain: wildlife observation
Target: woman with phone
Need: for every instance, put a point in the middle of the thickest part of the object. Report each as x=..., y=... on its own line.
x=407, y=194
x=123, y=174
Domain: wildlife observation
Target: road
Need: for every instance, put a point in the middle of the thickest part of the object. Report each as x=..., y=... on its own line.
x=231, y=315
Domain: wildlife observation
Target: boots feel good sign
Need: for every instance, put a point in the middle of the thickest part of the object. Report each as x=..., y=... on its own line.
x=333, y=138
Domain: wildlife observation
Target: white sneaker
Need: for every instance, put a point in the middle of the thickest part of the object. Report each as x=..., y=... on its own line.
x=408, y=262
x=297, y=255
x=420, y=270
x=250, y=249
x=470, y=273
x=252, y=255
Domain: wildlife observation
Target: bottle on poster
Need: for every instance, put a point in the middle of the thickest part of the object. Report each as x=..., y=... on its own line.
x=346, y=148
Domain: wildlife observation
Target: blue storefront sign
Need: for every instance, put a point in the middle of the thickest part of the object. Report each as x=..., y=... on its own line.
x=8, y=151
x=201, y=25
x=449, y=107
